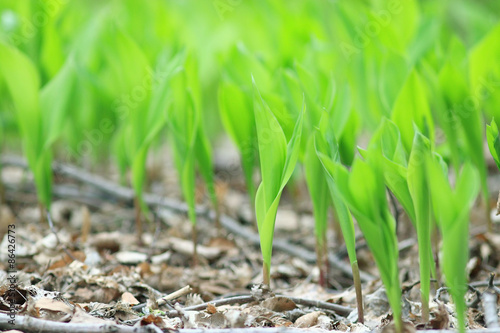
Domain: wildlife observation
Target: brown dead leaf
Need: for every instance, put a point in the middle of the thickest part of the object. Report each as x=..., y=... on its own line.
x=279, y=304
x=441, y=318
x=211, y=308
x=51, y=309
x=67, y=259
x=152, y=319
x=128, y=298
x=82, y=317
x=107, y=241
x=144, y=269
x=223, y=244
x=308, y=320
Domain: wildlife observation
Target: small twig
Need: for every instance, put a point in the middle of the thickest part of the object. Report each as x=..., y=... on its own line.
x=472, y=304
x=410, y=287
x=163, y=300
x=51, y=225
x=339, y=309
x=244, y=299
x=477, y=300
x=156, y=235
x=489, y=301
x=30, y=324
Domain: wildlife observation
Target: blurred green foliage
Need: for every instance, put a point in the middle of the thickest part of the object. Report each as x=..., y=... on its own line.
x=82, y=80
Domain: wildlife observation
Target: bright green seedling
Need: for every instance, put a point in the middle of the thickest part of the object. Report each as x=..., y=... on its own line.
x=236, y=112
x=146, y=117
x=407, y=182
x=419, y=191
x=364, y=192
x=493, y=139
x=462, y=120
x=202, y=146
x=131, y=68
x=451, y=209
x=327, y=151
x=40, y=114
x=411, y=108
x=277, y=162
x=188, y=145
x=318, y=190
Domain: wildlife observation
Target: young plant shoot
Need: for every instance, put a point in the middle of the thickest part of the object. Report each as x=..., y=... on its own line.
x=327, y=151
x=419, y=191
x=451, y=209
x=364, y=192
x=493, y=139
x=189, y=144
x=406, y=180
x=277, y=163
x=40, y=113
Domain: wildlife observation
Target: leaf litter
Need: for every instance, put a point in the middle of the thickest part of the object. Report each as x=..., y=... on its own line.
x=105, y=277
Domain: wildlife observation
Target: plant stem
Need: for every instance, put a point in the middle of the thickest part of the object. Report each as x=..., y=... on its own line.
x=41, y=209
x=359, y=292
x=266, y=272
x=320, y=262
x=138, y=220
x=194, y=237
x=425, y=307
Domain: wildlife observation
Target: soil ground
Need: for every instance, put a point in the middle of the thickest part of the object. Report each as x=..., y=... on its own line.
x=89, y=269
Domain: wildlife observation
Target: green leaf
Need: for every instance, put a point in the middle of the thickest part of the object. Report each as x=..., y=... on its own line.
x=493, y=139
x=420, y=194
x=277, y=160
x=451, y=208
x=318, y=190
x=238, y=119
x=412, y=109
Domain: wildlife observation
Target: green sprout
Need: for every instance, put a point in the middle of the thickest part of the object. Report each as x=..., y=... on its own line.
x=189, y=145
x=363, y=191
x=411, y=108
x=236, y=112
x=451, y=209
x=41, y=114
x=406, y=180
x=328, y=153
x=277, y=162
x=419, y=191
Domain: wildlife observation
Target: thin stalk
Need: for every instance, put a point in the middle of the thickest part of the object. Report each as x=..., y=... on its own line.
x=194, y=237
x=266, y=272
x=320, y=255
x=138, y=220
x=42, y=210
x=359, y=292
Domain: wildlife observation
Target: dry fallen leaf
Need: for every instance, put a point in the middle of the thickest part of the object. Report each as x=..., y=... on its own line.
x=51, y=309
x=279, y=304
x=128, y=298
x=211, y=308
x=80, y=316
x=308, y=320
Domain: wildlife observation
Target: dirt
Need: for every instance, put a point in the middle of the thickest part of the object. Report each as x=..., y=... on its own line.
x=89, y=269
